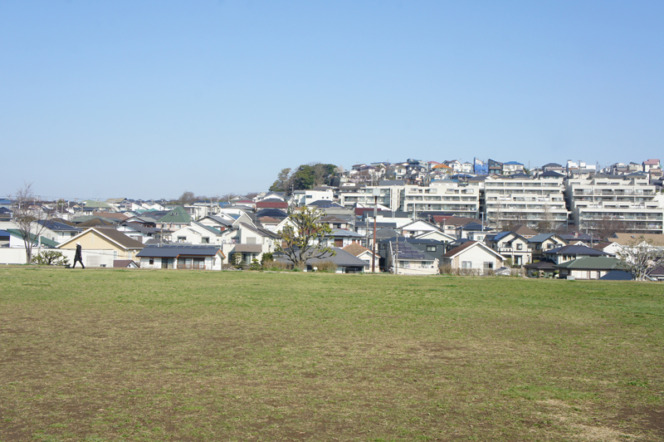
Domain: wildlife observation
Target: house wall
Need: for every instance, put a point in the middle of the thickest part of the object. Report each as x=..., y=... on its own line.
x=211, y=263
x=477, y=256
x=92, y=242
x=406, y=267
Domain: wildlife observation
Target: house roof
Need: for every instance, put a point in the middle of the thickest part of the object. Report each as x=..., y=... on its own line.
x=575, y=250
x=274, y=213
x=124, y=263
x=415, y=250
x=617, y=275
x=176, y=216
x=341, y=258
x=630, y=239
x=262, y=232
x=551, y=174
x=356, y=249
x=498, y=236
x=593, y=263
x=541, y=265
x=345, y=233
x=524, y=231
x=269, y=220
x=467, y=245
x=173, y=251
x=324, y=204
x=541, y=237
x=110, y=234
x=658, y=270
x=248, y=248
x=265, y=204
x=57, y=226
x=111, y=215
x=453, y=220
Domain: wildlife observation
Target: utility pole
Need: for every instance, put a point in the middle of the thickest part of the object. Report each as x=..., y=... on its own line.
x=376, y=192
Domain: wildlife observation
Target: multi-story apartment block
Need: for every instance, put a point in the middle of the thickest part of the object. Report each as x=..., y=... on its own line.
x=538, y=202
x=616, y=202
x=449, y=196
x=388, y=194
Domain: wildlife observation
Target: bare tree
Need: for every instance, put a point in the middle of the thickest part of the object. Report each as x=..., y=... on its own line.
x=640, y=257
x=28, y=217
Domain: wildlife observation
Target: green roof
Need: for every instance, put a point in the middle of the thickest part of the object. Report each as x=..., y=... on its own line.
x=96, y=204
x=44, y=241
x=594, y=263
x=176, y=216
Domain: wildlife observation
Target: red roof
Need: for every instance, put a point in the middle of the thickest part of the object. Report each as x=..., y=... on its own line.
x=272, y=205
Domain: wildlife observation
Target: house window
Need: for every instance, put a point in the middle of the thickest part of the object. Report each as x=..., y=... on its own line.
x=182, y=238
x=519, y=246
x=431, y=248
x=205, y=240
x=151, y=261
x=466, y=264
x=488, y=265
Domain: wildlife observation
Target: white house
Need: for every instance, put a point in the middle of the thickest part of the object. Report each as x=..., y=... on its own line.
x=181, y=257
x=473, y=257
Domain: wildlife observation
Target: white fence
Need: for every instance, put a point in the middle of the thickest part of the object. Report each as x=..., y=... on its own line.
x=91, y=258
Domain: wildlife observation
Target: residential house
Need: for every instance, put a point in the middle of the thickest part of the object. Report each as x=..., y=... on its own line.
x=246, y=243
x=58, y=231
x=511, y=246
x=417, y=228
x=175, y=219
x=344, y=261
x=341, y=238
x=196, y=234
x=568, y=253
x=472, y=257
x=365, y=255
x=512, y=168
x=543, y=242
x=102, y=246
x=589, y=267
x=181, y=256
x=404, y=256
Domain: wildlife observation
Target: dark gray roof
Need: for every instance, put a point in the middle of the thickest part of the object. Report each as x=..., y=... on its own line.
x=540, y=237
x=575, y=250
x=341, y=258
x=58, y=226
x=175, y=250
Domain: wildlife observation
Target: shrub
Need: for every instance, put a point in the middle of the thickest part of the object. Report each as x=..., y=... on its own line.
x=255, y=265
x=326, y=266
x=51, y=258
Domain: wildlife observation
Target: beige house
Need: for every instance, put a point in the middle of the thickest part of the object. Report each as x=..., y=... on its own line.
x=102, y=246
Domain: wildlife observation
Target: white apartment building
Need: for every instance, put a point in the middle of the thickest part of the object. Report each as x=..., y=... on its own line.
x=388, y=196
x=449, y=196
x=627, y=202
x=536, y=202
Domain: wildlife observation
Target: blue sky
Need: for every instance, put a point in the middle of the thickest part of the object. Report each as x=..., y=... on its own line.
x=148, y=99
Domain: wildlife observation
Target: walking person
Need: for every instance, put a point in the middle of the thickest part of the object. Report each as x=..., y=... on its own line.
x=78, y=257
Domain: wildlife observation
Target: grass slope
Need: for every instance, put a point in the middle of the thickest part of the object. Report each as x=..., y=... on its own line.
x=145, y=355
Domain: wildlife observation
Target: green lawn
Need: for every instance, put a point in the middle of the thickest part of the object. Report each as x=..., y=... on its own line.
x=185, y=355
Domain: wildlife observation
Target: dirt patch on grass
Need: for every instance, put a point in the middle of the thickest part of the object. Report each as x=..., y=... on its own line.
x=647, y=420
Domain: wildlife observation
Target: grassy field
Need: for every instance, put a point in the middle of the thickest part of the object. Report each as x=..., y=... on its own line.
x=180, y=355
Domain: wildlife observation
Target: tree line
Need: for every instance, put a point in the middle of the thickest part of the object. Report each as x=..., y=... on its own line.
x=305, y=177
